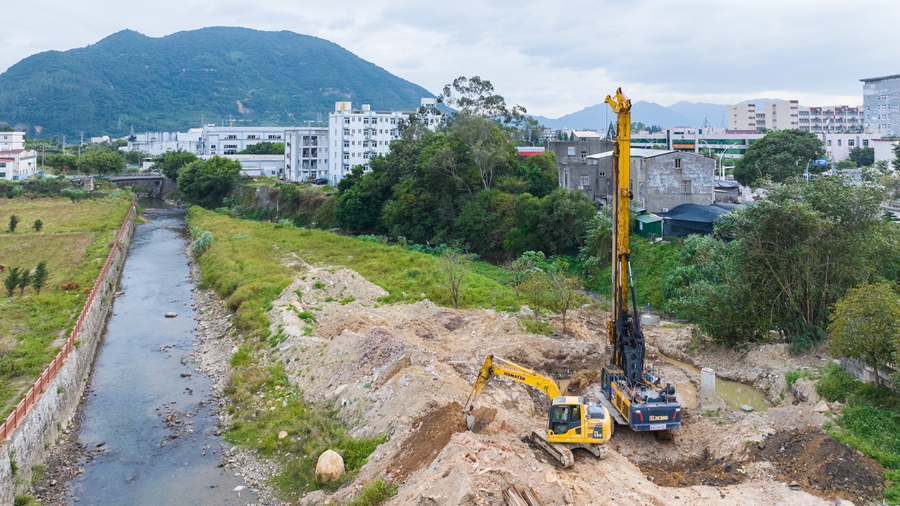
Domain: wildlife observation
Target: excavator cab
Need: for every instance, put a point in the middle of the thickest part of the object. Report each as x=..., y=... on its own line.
x=572, y=420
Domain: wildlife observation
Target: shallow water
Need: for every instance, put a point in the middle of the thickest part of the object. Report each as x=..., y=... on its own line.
x=135, y=385
x=732, y=392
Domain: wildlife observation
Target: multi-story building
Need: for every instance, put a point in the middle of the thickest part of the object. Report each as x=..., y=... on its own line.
x=734, y=143
x=12, y=140
x=17, y=164
x=788, y=114
x=576, y=170
x=305, y=153
x=215, y=140
x=157, y=143
x=357, y=136
x=881, y=103
x=661, y=178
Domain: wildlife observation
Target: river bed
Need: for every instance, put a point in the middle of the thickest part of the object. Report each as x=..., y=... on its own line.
x=148, y=422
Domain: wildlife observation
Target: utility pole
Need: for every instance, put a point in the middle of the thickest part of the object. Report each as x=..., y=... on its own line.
x=64, y=144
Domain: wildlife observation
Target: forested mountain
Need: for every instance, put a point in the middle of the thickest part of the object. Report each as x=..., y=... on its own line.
x=173, y=82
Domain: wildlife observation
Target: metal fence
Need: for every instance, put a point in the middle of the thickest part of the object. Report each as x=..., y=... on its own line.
x=34, y=393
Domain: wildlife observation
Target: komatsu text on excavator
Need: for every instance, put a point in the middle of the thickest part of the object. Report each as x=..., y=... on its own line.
x=571, y=423
x=635, y=397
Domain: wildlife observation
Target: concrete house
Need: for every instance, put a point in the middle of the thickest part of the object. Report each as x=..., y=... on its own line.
x=663, y=179
x=577, y=171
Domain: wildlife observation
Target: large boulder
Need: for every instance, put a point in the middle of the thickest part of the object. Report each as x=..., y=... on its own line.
x=329, y=467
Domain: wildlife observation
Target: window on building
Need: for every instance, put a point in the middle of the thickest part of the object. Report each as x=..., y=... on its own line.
x=851, y=143
x=346, y=121
x=585, y=180
x=686, y=186
x=393, y=121
x=231, y=137
x=571, y=151
x=346, y=131
x=828, y=143
x=2, y=175
x=346, y=144
x=865, y=143
x=678, y=163
x=213, y=147
x=346, y=156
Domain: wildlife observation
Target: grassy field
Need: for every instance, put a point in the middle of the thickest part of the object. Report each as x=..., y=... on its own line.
x=74, y=241
x=247, y=265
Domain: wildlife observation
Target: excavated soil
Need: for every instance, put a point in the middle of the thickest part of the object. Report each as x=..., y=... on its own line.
x=822, y=465
x=407, y=369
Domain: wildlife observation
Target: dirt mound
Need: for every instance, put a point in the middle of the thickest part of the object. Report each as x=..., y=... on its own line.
x=334, y=327
x=702, y=470
x=582, y=379
x=822, y=465
x=431, y=433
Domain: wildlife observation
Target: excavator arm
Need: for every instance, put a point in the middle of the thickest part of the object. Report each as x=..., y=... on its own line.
x=496, y=366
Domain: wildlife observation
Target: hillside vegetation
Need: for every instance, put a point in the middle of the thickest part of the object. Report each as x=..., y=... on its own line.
x=177, y=81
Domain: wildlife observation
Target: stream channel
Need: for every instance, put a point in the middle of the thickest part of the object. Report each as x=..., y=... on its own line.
x=155, y=428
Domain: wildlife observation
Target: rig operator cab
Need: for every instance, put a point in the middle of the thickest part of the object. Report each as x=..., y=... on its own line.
x=635, y=396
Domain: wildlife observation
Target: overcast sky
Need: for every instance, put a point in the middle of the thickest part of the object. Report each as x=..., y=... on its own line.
x=551, y=57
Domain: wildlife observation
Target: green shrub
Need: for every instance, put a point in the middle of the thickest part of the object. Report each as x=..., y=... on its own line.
x=374, y=493
x=202, y=243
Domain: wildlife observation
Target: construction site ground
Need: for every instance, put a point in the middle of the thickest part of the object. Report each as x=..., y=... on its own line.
x=407, y=370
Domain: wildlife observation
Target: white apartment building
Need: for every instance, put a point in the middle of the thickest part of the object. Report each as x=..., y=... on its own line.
x=216, y=140
x=17, y=164
x=305, y=153
x=881, y=100
x=12, y=140
x=357, y=136
x=788, y=114
x=157, y=143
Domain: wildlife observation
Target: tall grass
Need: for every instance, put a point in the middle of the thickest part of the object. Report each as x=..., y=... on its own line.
x=75, y=241
x=251, y=272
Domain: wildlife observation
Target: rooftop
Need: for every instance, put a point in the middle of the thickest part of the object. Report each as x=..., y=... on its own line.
x=885, y=78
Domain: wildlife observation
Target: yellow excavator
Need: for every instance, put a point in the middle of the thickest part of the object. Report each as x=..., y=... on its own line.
x=571, y=423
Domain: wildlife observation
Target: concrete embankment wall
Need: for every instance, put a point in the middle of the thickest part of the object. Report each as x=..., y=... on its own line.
x=57, y=404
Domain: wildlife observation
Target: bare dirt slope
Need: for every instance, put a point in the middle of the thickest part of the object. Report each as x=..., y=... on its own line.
x=408, y=369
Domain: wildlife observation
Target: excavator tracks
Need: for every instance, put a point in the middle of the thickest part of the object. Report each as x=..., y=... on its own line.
x=563, y=452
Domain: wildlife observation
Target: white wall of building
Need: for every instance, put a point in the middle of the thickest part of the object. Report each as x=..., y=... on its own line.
x=12, y=140
x=215, y=140
x=157, y=143
x=18, y=164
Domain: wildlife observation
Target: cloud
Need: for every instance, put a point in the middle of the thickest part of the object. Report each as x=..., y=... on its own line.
x=553, y=58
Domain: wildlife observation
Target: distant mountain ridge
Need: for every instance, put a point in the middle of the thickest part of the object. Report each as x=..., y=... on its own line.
x=172, y=83
x=690, y=114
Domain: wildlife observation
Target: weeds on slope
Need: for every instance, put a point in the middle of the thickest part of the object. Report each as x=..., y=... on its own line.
x=869, y=421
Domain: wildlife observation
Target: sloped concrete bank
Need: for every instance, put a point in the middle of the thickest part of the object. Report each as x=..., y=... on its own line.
x=58, y=404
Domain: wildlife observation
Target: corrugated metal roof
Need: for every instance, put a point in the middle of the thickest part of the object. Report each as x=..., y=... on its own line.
x=647, y=218
x=638, y=153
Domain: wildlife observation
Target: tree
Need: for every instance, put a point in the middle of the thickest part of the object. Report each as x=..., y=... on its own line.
x=488, y=148
x=862, y=157
x=778, y=156
x=207, y=182
x=896, y=162
x=264, y=148
x=11, y=282
x=564, y=290
x=804, y=245
x=38, y=225
x=476, y=97
x=456, y=265
x=846, y=164
x=611, y=132
x=536, y=290
x=39, y=280
x=13, y=223
x=24, y=280
x=170, y=162
x=63, y=163
x=866, y=325
x=101, y=162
